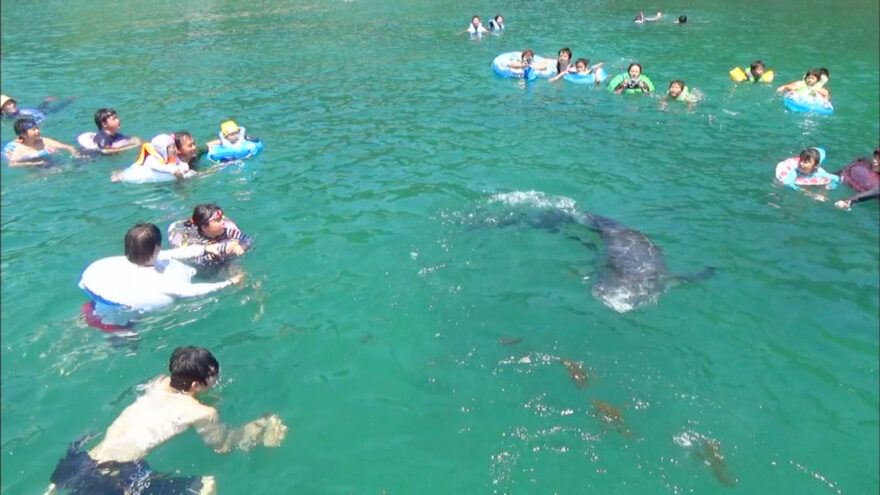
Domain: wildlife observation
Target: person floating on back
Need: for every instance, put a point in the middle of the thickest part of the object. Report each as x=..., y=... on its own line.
x=9, y=108
x=167, y=408
x=641, y=19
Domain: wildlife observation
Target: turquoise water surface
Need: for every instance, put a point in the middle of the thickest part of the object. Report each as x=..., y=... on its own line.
x=410, y=340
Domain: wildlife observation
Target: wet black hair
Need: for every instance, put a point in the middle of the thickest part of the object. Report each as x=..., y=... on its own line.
x=178, y=143
x=823, y=72
x=203, y=213
x=178, y=138
x=141, y=242
x=813, y=72
x=678, y=81
x=191, y=364
x=21, y=126
x=560, y=52
x=756, y=64
x=810, y=153
x=682, y=19
x=633, y=65
x=586, y=62
x=497, y=16
x=101, y=116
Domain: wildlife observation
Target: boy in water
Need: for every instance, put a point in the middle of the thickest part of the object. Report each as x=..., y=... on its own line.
x=108, y=139
x=758, y=72
x=167, y=408
x=678, y=91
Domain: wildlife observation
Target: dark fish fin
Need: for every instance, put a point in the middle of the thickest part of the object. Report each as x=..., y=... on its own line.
x=704, y=274
x=590, y=245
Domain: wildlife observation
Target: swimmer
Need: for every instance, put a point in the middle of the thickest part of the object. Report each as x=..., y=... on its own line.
x=635, y=80
x=563, y=64
x=168, y=407
x=810, y=85
x=758, y=72
x=496, y=25
x=160, y=155
x=864, y=176
x=824, y=75
x=804, y=170
x=475, y=28
x=187, y=150
x=582, y=68
x=678, y=91
x=527, y=59
x=30, y=147
x=108, y=138
x=146, y=278
x=208, y=225
x=231, y=135
x=682, y=19
x=9, y=108
x=641, y=19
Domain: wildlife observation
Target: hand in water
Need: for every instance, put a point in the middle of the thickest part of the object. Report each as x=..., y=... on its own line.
x=237, y=278
x=274, y=431
x=213, y=249
x=843, y=204
x=233, y=247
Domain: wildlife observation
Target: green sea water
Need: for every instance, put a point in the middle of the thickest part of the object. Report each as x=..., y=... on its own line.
x=413, y=345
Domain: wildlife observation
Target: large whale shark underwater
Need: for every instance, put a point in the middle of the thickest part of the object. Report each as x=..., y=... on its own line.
x=633, y=273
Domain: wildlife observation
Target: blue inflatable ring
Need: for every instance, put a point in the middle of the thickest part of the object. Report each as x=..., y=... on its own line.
x=501, y=67
x=245, y=149
x=597, y=75
x=802, y=103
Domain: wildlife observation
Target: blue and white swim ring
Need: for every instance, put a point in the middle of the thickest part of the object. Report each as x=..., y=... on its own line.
x=141, y=174
x=239, y=151
x=804, y=103
x=501, y=66
x=597, y=75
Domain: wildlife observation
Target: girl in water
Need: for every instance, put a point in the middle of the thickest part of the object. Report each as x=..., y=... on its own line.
x=636, y=82
x=804, y=170
x=207, y=226
x=812, y=84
